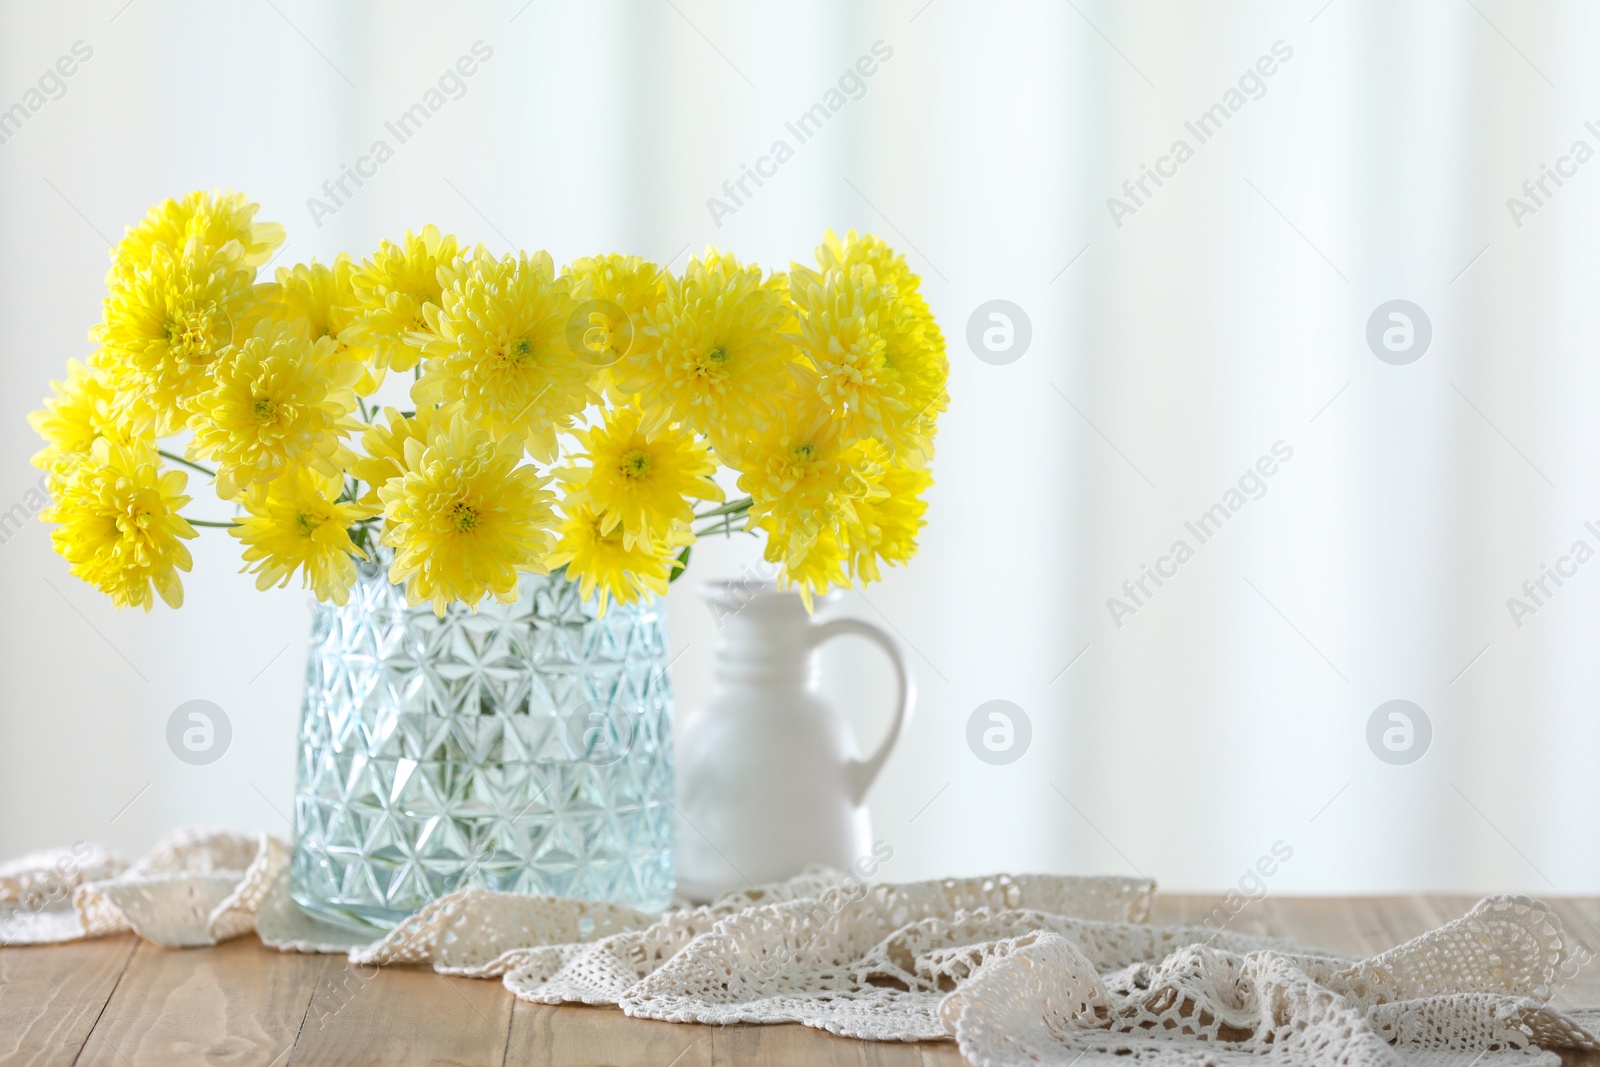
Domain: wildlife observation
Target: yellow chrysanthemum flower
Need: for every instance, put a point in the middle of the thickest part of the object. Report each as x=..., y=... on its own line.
x=866, y=331
x=717, y=356
x=603, y=563
x=297, y=523
x=278, y=401
x=385, y=445
x=83, y=410
x=617, y=294
x=888, y=522
x=642, y=482
x=215, y=221
x=867, y=250
x=465, y=518
x=118, y=523
x=890, y=269
x=501, y=349
x=804, y=478
x=820, y=387
x=324, y=296
x=812, y=572
x=165, y=322
x=392, y=289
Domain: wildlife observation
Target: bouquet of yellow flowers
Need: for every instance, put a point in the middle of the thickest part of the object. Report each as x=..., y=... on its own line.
x=572, y=418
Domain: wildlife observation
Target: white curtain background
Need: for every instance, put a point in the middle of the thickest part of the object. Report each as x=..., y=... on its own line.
x=1229, y=713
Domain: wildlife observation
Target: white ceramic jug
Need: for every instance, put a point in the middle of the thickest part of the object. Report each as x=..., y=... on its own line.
x=768, y=779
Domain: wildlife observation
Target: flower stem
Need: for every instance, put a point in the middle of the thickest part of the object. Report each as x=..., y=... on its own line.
x=722, y=526
x=732, y=507
x=187, y=463
x=361, y=537
x=724, y=517
x=217, y=525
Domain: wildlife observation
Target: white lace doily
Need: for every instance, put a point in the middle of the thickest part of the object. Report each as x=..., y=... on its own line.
x=1018, y=970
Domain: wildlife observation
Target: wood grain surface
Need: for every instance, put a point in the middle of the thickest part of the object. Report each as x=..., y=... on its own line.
x=120, y=1001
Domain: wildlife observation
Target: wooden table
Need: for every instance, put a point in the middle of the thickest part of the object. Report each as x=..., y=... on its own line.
x=120, y=1001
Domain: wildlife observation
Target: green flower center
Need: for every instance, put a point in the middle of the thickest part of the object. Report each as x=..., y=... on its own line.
x=305, y=524
x=718, y=355
x=806, y=453
x=262, y=408
x=636, y=465
x=464, y=518
x=520, y=349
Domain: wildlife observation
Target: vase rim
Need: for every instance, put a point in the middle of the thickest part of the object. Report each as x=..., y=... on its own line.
x=739, y=591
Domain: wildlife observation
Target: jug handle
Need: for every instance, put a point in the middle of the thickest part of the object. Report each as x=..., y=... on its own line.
x=860, y=774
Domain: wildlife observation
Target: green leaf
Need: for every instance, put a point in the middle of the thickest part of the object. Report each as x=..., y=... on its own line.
x=680, y=564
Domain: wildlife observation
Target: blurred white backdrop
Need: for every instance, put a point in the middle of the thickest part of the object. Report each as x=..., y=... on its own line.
x=1173, y=345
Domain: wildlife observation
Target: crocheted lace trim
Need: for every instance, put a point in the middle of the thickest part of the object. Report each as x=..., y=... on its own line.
x=1018, y=970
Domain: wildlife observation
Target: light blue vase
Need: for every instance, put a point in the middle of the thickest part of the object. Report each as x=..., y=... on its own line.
x=523, y=747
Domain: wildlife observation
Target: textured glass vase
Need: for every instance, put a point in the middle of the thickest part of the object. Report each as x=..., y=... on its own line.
x=524, y=747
